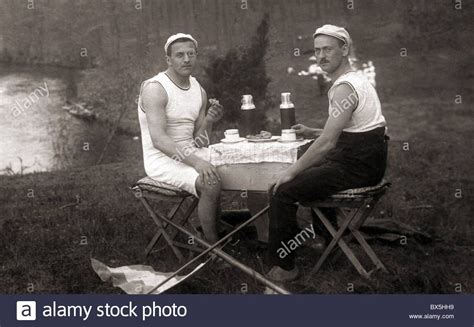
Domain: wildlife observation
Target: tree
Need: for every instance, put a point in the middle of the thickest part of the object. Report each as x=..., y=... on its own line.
x=241, y=71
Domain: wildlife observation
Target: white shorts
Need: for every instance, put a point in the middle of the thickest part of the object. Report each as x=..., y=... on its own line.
x=176, y=173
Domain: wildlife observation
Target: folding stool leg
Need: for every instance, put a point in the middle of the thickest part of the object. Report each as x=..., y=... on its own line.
x=186, y=216
x=357, y=221
x=158, y=234
x=354, y=228
x=189, y=212
x=355, y=232
x=337, y=240
x=365, y=211
x=369, y=251
x=152, y=242
x=349, y=238
x=160, y=225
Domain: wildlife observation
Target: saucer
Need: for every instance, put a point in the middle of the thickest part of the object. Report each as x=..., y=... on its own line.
x=240, y=139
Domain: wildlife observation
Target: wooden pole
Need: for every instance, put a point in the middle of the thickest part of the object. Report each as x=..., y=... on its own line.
x=213, y=248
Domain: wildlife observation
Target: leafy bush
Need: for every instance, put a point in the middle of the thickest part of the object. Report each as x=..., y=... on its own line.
x=241, y=71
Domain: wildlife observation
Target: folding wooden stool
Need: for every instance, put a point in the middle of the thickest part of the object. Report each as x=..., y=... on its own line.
x=362, y=202
x=147, y=188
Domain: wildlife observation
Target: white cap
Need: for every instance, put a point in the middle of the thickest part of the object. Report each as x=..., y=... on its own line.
x=334, y=31
x=247, y=102
x=175, y=37
x=285, y=101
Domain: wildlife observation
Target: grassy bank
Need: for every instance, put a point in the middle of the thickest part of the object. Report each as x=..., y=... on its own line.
x=48, y=240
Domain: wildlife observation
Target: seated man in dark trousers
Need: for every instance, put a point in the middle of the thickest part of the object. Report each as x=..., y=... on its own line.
x=351, y=151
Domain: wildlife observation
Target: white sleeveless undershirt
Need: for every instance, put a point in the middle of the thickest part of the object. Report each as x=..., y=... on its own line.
x=368, y=113
x=182, y=112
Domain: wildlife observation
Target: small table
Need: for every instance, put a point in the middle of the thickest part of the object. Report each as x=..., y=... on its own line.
x=252, y=167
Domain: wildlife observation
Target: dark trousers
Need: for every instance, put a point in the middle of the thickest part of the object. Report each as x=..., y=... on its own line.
x=359, y=160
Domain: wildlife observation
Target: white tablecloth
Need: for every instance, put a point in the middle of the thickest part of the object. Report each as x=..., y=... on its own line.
x=251, y=152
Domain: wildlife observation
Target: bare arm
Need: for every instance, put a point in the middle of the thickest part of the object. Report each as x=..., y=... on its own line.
x=307, y=132
x=202, y=132
x=336, y=122
x=203, y=128
x=154, y=100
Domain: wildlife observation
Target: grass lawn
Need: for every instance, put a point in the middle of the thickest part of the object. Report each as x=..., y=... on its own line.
x=47, y=244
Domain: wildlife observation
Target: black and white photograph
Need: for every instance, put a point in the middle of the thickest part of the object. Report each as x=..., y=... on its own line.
x=245, y=147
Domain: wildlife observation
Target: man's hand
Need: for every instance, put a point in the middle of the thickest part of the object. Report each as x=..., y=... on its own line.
x=302, y=130
x=207, y=172
x=307, y=132
x=215, y=112
x=282, y=178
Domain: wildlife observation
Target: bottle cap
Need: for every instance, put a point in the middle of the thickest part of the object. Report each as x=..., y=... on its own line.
x=285, y=101
x=247, y=102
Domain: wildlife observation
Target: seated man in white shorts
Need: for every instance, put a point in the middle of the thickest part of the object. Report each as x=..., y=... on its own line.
x=176, y=130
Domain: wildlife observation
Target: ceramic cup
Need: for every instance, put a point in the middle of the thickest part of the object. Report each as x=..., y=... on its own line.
x=232, y=134
x=288, y=135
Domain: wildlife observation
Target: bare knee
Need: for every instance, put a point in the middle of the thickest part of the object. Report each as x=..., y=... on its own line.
x=208, y=190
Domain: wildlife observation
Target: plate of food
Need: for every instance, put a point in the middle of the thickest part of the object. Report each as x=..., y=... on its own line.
x=263, y=136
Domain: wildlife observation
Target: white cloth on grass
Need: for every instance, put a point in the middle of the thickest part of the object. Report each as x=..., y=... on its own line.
x=139, y=279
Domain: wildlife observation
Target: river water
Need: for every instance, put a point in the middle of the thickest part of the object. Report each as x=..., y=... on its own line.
x=36, y=134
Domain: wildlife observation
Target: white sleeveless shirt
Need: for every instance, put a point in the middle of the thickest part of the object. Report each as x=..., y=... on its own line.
x=368, y=113
x=182, y=112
